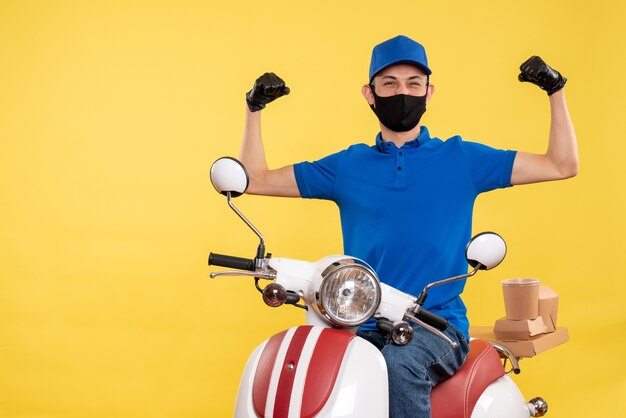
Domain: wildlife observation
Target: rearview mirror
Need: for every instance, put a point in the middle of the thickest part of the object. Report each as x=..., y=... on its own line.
x=229, y=175
x=487, y=249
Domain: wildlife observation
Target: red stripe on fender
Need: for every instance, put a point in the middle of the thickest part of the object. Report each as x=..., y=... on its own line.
x=323, y=369
x=264, y=373
x=290, y=366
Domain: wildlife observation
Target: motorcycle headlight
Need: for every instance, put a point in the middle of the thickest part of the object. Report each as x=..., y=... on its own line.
x=349, y=293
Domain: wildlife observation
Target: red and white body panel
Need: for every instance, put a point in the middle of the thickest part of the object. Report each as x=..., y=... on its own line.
x=314, y=372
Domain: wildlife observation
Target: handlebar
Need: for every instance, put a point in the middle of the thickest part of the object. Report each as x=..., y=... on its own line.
x=229, y=261
x=432, y=319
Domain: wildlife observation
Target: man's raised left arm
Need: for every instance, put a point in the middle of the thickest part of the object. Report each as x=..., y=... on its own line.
x=561, y=159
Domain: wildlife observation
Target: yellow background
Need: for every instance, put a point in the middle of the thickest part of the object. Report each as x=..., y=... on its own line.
x=112, y=112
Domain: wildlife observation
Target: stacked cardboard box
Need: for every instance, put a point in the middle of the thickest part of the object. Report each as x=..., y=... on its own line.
x=526, y=348
x=528, y=337
x=525, y=329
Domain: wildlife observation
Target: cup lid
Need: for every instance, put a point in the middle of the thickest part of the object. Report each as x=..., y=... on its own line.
x=520, y=282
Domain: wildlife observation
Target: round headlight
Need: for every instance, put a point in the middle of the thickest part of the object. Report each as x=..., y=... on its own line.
x=349, y=293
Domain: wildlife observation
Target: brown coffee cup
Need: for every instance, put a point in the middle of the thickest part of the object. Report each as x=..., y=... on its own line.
x=521, y=298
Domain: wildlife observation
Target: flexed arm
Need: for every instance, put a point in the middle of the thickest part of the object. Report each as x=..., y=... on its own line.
x=561, y=159
x=263, y=181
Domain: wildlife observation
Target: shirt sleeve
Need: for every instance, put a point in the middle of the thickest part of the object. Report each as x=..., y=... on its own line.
x=316, y=180
x=490, y=168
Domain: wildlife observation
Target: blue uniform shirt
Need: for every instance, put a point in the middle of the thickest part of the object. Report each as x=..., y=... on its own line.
x=408, y=211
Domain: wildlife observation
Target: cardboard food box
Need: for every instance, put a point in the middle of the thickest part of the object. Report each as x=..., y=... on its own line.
x=510, y=330
x=548, y=307
x=528, y=348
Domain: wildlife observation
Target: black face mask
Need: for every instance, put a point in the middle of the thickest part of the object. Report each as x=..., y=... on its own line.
x=401, y=112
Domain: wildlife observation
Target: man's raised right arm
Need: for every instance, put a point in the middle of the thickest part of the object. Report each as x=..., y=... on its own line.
x=263, y=181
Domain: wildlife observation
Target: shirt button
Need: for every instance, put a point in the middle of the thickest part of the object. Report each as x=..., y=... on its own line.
x=399, y=168
x=400, y=153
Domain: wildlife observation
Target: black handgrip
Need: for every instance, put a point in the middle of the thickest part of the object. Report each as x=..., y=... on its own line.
x=238, y=263
x=432, y=319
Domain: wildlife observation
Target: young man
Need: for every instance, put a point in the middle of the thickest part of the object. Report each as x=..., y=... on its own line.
x=406, y=202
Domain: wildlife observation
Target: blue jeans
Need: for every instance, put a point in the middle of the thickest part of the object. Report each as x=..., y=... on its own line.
x=414, y=369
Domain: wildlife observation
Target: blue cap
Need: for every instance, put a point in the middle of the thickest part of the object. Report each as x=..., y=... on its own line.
x=395, y=51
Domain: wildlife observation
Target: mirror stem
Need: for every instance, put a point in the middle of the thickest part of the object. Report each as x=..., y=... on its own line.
x=422, y=297
x=261, y=248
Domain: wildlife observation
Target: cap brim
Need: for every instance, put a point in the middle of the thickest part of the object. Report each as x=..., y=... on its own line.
x=417, y=64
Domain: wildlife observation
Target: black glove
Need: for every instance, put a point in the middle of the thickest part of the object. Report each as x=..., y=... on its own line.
x=536, y=71
x=267, y=88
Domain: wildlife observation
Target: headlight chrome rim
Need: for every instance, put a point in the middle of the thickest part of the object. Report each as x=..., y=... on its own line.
x=330, y=276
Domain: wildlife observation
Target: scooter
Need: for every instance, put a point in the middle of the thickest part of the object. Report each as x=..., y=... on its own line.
x=322, y=369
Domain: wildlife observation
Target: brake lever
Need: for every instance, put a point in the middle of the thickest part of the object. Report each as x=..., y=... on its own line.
x=259, y=274
x=434, y=330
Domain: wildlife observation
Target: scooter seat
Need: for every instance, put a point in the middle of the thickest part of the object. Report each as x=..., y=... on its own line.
x=456, y=397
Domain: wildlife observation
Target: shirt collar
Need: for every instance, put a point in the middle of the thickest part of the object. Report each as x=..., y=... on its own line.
x=387, y=147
